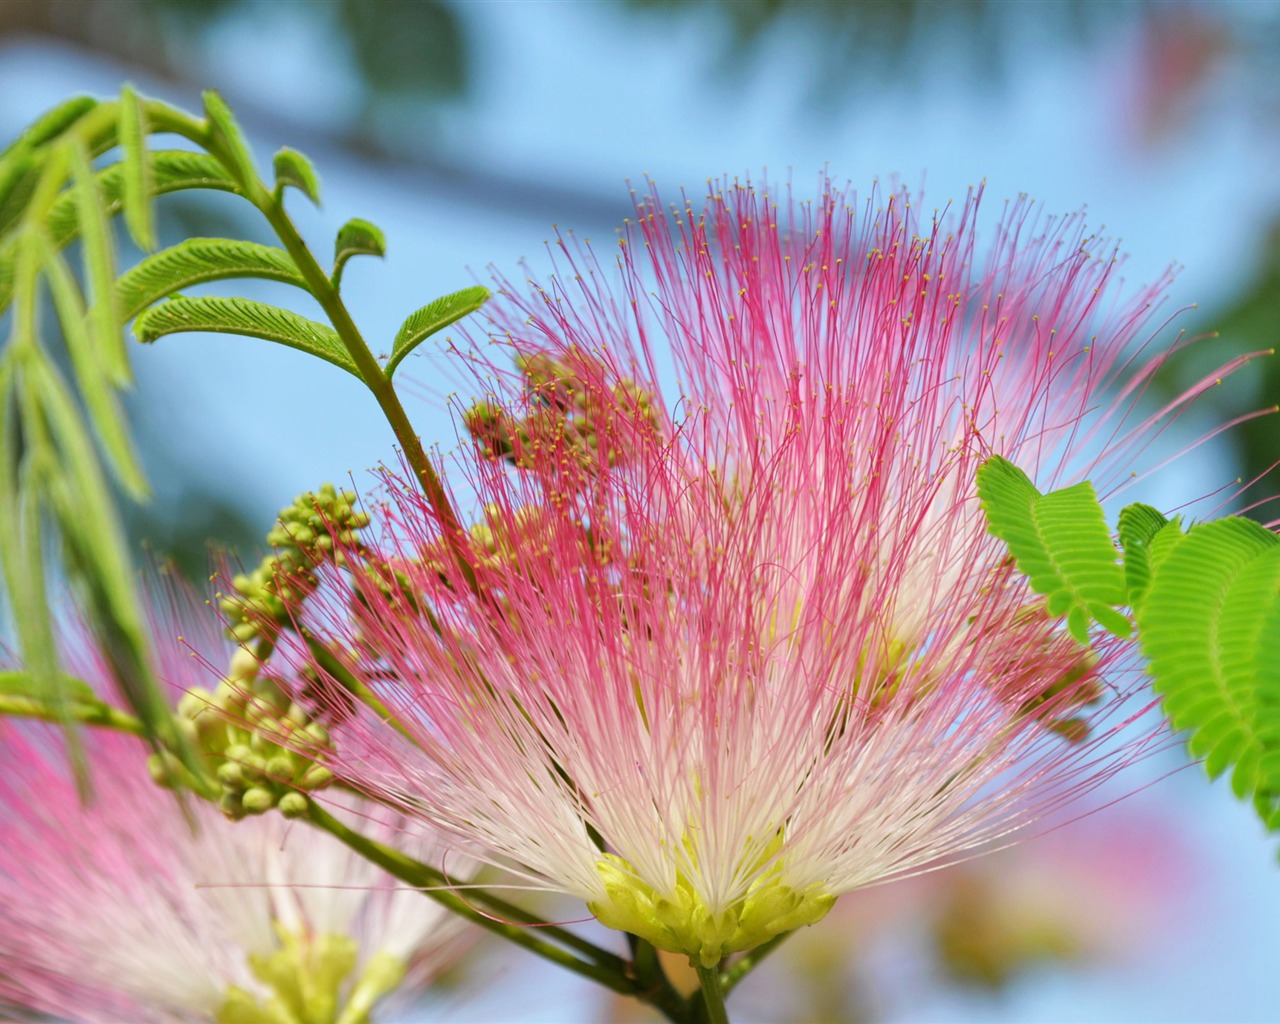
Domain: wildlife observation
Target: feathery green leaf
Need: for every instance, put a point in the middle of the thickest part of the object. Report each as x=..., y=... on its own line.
x=292, y=168
x=96, y=554
x=241, y=316
x=136, y=170
x=1208, y=630
x=356, y=238
x=91, y=377
x=227, y=133
x=19, y=175
x=1061, y=542
x=50, y=124
x=433, y=317
x=1138, y=525
x=21, y=684
x=197, y=261
x=99, y=270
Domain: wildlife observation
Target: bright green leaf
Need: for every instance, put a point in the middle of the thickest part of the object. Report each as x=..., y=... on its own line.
x=197, y=261
x=51, y=124
x=229, y=138
x=99, y=270
x=356, y=238
x=86, y=359
x=171, y=171
x=1208, y=629
x=1060, y=541
x=22, y=684
x=18, y=177
x=433, y=317
x=136, y=170
x=294, y=169
x=241, y=316
x=96, y=556
x=1138, y=525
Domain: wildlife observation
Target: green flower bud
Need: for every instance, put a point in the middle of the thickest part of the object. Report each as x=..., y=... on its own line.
x=257, y=800
x=293, y=805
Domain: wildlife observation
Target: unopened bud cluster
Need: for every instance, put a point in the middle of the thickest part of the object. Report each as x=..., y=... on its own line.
x=260, y=745
x=314, y=529
x=567, y=415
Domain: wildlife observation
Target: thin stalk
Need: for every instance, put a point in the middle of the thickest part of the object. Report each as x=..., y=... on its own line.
x=656, y=987
x=327, y=661
x=165, y=118
x=608, y=969
x=370, y=371
x=102, y=715
x=712, y=994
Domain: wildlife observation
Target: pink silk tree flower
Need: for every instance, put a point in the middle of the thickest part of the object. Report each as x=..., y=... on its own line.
x=730, y=637
x=137, y=907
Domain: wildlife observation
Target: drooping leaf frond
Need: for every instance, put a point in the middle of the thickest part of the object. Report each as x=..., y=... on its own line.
x=229, y=139
x=1061, y=542
x=197, y=261
x=432, y=317
x=243, y=316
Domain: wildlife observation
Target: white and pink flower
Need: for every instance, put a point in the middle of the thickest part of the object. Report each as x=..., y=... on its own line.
x=732, y=638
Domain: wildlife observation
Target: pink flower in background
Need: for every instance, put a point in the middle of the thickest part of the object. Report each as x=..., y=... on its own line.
x=738, y=640
x=138, y=908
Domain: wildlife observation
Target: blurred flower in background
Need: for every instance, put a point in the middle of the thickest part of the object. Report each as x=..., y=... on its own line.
x=137, y=905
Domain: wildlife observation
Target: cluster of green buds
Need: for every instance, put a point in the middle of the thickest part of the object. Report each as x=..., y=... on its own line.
x=262, y=748
x=566, y=415
x=312, y=530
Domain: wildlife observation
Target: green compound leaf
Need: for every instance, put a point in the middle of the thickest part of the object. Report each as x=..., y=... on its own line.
x=196, y=261
x=19, y=174
x=50, y=125
x=241, y=316
x=292, y=168
x=356, y=238
x=1209, y=629
x=95, y=388
x=229, y=138
x=136, y=171
x=1138, y=526
x=1061, y=542
x=99, y=269
x=171, y=171
x=432, y=317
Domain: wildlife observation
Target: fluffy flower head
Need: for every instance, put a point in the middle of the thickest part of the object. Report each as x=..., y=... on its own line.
x=732, y=638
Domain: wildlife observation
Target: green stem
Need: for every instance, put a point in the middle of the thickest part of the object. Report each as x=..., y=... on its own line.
x=165, y=118
x=327, y=661
x=712, y=994
x=657, y=989
x=751, y=960
x=608, y=969
x=102, y=715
